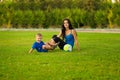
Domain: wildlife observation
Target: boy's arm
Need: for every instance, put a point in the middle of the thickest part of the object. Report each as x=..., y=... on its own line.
x=31, y=50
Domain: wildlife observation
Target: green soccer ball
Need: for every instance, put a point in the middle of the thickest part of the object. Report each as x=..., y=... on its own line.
x=67, y=47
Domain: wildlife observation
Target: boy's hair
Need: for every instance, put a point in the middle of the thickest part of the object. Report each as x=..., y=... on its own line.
x=38, y=34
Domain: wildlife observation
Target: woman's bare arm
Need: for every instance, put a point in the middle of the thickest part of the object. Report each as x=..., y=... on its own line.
x=59, y=35
x=76, y=39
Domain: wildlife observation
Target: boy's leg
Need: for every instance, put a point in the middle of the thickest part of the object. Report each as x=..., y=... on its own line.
x=48, y=47
x=53, y=46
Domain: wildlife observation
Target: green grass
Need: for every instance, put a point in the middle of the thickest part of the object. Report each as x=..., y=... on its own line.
x=98, y=58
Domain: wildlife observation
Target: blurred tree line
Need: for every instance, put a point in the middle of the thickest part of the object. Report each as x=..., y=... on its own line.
x=50, y=13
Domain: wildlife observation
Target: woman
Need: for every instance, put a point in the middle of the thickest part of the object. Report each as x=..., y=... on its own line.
x=69, y=33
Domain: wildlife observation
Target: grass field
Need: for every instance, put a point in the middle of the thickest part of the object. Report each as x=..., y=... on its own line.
x=98, y=58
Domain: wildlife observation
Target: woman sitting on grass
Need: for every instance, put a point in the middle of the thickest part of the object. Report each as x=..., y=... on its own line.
x=69, y=33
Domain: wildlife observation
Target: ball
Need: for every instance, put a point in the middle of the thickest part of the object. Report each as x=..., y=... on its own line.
x=67, y=47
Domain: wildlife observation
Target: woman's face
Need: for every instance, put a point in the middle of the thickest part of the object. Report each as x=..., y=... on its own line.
x=66, y=24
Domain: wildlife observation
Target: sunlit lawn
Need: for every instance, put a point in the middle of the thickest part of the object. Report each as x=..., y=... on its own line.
x=98, y=58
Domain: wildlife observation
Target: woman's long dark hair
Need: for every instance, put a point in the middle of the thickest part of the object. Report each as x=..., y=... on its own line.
x=63, y=28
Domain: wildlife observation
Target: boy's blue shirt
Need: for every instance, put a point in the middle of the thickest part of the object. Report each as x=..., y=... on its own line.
x=38, y=46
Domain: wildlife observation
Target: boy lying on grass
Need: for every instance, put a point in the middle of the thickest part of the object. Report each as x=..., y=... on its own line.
x=40, y=46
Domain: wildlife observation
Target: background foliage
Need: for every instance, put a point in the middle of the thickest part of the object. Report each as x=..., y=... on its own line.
x=50, y=13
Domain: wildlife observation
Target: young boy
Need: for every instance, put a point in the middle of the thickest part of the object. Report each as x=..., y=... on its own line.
x=38, y=45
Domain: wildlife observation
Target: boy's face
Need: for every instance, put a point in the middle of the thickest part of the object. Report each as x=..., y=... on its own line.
x=38, y=38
